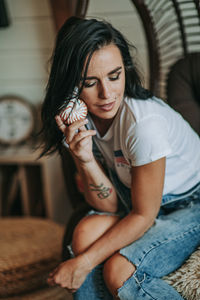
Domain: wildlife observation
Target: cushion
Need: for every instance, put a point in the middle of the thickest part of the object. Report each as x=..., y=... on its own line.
x=30, y=249
x=186, y=280
x=183, y=92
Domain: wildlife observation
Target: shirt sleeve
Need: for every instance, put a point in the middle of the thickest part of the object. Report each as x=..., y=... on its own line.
x=147, y=140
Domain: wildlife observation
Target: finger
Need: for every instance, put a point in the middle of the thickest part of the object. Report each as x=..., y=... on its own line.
x=82, y=128
x=50, y=281
x=74, y=129
x=70, y=290
x=53, y=272
x=60, y=123
x=78, y=124
x=84, y=142
x=51, y=275
x=82, y=135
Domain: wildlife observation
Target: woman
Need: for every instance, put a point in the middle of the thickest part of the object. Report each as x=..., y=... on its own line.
x=139, y=162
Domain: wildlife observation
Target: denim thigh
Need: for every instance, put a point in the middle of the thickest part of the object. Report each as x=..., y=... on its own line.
x=166, y=245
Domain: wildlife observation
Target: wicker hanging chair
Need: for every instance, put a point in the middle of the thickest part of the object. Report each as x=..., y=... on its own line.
x=172, y=31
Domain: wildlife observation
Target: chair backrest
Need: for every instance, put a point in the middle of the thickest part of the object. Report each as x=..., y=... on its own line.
x=172, y=30
x=183, y=92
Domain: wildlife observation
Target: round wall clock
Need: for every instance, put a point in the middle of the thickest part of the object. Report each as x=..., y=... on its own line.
x=16, y=120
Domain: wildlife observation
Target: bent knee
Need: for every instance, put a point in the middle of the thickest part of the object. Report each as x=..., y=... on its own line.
x=117, y=269
x=89, y=229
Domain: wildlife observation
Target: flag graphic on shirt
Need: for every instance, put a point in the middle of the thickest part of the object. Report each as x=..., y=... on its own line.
x=119, y=158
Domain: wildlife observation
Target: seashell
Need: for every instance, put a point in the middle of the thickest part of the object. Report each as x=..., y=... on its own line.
x=75, y=110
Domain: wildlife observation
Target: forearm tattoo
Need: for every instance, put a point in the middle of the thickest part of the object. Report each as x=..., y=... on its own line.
x=102, y=191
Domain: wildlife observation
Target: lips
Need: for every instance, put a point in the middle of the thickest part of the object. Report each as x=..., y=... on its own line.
x=107, y=107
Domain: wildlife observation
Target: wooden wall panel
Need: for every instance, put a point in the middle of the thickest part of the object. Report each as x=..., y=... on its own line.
x=28, y=34
x=109, y=7
x=25, y=48
x=29, y=9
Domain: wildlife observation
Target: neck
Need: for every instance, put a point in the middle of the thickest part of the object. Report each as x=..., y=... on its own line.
x=102, y=125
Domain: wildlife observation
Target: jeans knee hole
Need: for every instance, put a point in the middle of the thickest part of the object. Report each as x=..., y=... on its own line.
x=141, y=280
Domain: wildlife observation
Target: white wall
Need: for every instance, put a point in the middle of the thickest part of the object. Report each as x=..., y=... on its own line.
x=25, y=47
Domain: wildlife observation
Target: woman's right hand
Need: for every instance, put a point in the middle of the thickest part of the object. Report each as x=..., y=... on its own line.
x=78, y=138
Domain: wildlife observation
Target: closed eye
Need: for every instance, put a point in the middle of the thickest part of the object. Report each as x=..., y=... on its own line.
x=91, y=83
x=88, y=84
x=112, y=76
x=115, y=76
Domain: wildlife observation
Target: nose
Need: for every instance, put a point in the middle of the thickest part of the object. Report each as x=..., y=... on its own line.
x=104, y=90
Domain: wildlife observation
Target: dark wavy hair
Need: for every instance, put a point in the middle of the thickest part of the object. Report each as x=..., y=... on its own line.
x=77, y=40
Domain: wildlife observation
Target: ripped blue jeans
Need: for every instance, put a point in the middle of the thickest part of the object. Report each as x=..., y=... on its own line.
x=160, y=251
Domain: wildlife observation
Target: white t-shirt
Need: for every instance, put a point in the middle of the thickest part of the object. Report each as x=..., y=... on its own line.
x=144, y=131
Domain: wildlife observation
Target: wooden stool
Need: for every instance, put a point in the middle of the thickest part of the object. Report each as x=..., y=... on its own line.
x=48, y=293
x=30, y=249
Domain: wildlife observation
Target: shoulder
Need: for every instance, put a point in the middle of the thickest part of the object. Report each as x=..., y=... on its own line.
x=136, y=113
x=141, y=109
x=145, y=130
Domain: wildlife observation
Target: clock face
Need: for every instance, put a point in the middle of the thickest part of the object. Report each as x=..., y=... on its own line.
x=16, y=120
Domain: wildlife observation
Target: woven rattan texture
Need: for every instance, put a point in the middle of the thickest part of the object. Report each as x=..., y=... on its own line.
x=51, y=293
x=30, y=248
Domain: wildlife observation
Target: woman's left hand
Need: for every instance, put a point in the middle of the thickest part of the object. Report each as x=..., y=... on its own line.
x=70, y=274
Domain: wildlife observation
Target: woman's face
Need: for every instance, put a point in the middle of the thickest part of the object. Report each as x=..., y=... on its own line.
x=104, y=86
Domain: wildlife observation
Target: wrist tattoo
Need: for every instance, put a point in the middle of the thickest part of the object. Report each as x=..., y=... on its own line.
x=103, y=192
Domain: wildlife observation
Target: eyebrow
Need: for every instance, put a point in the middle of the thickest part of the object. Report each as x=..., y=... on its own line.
x=110, y=73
